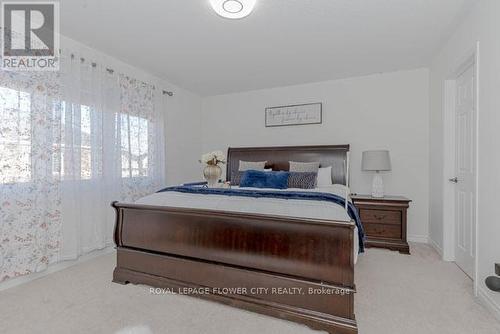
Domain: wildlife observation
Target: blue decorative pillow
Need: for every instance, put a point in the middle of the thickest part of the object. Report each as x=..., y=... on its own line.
x=303, y=180
x=260, y=179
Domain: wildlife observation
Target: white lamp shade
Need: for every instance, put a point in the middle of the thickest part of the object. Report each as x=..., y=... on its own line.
x=376, y=161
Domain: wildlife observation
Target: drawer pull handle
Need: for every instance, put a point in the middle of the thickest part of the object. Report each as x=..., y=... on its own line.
x=379, y=217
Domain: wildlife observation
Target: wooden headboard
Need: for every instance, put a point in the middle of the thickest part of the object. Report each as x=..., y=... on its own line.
x=278, y=157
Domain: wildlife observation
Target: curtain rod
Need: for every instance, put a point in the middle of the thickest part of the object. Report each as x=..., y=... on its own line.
x=111, y=71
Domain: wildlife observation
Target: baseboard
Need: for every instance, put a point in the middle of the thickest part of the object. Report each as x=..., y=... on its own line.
x=84, y=252
x=418, y=238
x=488, y=302
x=436, y=247
x=55, y=267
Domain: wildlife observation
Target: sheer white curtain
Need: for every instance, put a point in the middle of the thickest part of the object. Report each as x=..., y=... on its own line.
x=70, y=143
x=81, y=119
x=114, y=150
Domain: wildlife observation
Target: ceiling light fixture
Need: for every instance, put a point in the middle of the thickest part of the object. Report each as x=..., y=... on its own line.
x=233, y=9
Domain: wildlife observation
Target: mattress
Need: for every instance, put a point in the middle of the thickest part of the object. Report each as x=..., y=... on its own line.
x=267, y=206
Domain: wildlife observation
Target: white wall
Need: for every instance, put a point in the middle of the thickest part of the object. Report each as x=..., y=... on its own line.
x=382, y=111
x=183, y=138
x=481, y=24
x=183, y=115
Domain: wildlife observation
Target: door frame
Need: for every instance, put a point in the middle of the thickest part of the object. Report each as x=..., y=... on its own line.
x=470, y=58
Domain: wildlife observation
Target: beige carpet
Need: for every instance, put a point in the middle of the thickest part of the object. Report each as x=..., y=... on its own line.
x=396, y=294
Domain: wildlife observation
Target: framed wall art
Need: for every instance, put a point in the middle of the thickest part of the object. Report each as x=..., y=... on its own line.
x=298, y=114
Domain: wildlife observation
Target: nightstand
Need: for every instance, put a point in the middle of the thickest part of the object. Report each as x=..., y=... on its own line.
x=384, y=221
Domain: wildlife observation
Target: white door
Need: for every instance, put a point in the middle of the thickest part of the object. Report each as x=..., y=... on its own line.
x=465, y=167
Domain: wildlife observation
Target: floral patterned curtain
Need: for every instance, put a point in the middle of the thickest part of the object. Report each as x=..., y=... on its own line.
x=30, y=194
x=141, y=125
x=70, y=143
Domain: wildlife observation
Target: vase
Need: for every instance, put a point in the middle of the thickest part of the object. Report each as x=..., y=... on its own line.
x=212, y=174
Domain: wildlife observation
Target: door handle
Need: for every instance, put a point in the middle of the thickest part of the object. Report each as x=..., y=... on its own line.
x=454, y=180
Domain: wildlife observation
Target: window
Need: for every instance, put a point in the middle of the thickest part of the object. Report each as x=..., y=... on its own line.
x=85, y=143
x=74, y=134
x=134, y=145
x=77, y=144
x=15, y=136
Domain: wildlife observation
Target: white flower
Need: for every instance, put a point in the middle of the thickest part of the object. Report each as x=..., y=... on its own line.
x=205, y=158
x=214, y=157
x=219, y=155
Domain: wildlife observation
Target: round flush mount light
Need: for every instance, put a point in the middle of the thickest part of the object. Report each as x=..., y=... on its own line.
x=233, y=9
x=232, y=6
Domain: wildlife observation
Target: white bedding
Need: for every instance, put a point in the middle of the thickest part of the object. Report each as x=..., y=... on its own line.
x=268, y=206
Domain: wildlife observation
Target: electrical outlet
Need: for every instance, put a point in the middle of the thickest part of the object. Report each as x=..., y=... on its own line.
x=497, y=269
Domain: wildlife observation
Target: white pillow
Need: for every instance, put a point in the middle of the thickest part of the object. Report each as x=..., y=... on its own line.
x=324, y=176
x=251, y=165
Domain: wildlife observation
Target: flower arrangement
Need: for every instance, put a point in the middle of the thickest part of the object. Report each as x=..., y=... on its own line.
x=214, y=158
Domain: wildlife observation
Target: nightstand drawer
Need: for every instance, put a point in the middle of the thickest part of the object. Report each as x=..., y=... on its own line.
x=385, y=231
x=380, y=216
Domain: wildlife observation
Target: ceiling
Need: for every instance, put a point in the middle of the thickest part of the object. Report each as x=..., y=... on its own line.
x=283, y=42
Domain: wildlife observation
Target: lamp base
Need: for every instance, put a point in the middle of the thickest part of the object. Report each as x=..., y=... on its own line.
x=377, y=186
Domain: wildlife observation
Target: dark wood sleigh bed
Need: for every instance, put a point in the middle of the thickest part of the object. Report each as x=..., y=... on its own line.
x=306, y=265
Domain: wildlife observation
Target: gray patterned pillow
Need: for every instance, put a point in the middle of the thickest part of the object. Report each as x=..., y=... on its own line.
x=304, y=166
x=251, y=165
x=303, y=180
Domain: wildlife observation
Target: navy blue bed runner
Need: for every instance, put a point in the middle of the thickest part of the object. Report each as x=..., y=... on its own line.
x=193, y=188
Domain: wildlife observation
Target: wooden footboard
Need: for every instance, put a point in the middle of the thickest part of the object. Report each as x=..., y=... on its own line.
x=292, y=268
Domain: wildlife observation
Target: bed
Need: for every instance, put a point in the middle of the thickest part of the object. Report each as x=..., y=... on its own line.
x=286, y=259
